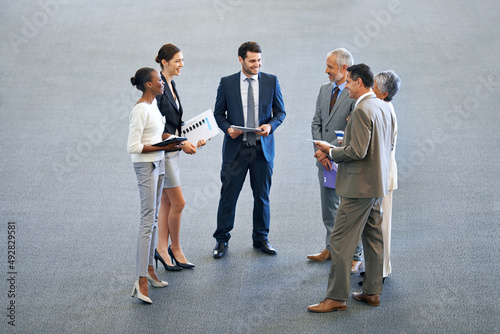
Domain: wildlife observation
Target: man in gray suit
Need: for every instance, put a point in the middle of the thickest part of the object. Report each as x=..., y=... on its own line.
x=362, y=182
x=333, y=106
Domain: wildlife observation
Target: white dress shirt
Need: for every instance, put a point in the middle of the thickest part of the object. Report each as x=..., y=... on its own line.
x=244, y=98
x=362, y=97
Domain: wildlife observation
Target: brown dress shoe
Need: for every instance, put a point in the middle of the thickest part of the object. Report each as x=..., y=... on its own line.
x=372, y=300
x=328, y=305
x=355, y=266
x=320, y=257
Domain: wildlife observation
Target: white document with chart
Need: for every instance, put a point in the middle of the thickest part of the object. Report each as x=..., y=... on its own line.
x=200, y=127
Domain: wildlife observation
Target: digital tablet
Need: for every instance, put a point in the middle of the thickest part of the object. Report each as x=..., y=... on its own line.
x=245, y=129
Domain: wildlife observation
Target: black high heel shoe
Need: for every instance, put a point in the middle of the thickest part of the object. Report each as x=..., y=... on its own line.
x=187, y=265
x=167, y=267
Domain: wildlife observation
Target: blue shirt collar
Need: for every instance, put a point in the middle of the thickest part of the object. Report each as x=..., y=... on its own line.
x=341, y=87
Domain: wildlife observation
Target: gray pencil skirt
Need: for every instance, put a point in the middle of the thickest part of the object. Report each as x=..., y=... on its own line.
x=172, y=170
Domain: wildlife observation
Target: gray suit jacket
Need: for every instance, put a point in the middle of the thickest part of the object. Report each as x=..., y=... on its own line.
x=324, y=125
x=364, y=157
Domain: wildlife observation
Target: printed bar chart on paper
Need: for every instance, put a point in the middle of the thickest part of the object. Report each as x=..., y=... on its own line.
x=200, y=127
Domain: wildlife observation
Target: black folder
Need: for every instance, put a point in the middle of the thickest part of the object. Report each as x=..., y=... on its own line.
x=170, y=140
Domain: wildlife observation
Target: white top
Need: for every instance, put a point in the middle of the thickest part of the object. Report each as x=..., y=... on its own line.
x=146, y=127
x=393, y=169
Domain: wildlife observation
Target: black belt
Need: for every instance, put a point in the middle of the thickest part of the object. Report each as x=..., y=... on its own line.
x=257, y=142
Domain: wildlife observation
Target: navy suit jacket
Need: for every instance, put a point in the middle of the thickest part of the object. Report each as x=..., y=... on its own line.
x=229, y=111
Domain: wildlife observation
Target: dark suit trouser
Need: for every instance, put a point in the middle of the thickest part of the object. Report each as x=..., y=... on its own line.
x=356, y=217
x=233, y=174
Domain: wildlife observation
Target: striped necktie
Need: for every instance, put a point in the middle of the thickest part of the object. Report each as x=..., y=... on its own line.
x=334, y=98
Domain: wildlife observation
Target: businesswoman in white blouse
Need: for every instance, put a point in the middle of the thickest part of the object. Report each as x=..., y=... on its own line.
x=146, y=128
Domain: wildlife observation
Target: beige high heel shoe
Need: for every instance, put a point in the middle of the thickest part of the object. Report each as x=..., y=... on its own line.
x=156, y=284
x=140, y=296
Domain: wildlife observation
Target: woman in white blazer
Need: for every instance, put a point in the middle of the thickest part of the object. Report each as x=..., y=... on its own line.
x=386, y=85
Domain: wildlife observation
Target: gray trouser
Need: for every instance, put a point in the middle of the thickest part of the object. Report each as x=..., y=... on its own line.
x=150, y=181
x=329, y=204
x=356, y=218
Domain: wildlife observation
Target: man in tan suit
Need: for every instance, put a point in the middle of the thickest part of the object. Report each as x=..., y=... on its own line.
x=362, y=182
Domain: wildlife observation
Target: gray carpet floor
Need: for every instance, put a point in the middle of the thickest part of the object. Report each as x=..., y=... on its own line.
x=68, y=186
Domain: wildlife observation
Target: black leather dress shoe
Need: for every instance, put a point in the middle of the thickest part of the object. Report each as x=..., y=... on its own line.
x=220, y=249
x=265, y=246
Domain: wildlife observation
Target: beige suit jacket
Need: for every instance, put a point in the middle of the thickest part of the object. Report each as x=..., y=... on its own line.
x=364, y=158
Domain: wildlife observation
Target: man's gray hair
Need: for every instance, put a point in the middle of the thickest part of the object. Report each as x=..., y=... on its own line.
x=344, y=57
x=388, y=82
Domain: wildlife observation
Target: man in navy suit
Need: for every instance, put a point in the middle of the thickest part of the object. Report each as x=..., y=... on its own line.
x=248, y=99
